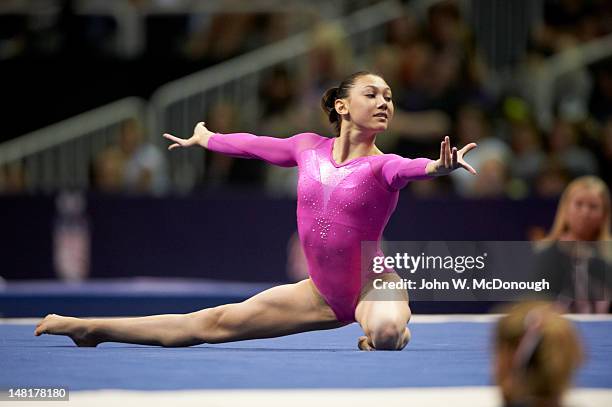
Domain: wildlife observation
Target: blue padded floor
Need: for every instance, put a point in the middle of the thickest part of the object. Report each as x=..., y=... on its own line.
x=440, y=355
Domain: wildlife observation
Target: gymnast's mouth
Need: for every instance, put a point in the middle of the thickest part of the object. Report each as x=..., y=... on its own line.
x=381, y=114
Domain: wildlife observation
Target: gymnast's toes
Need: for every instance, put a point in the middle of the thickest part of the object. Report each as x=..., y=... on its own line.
x=78, y=330
x=364, y=344
x=43, y=326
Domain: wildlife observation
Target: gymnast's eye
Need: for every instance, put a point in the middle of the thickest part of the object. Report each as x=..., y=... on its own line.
x=388, y=98
x=370, y=95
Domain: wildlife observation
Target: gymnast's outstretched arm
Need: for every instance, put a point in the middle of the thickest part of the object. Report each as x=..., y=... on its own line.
x=397, y=171
x=277, y=151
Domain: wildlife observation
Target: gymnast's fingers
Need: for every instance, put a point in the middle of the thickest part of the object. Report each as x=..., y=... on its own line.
x=447, y=152
x=467, y=148
x=178, y=142
x=468, y=167
x=174, y=138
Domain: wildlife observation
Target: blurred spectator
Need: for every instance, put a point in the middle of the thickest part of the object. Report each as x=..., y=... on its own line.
x=552, y=179
x=563, y=142
x=402, y=32
x=529, y=158
x=279, y=99
x=583, y=212
x=437, y=88
x=605, y=152
x=145, y=168
x=223, y=36
x=222, y=118
x=600, y=102
x=281, y=117
x=277, y=92
x=583, y=215
x=571, y=95
x=403, y=68
x=387, y=58
x=446, y=28
x=404, y=61
x=490, y=159
x=108, y=169
x=330, y=59
x=493, y=179
x=537, y=353
x=13, y=179
x=415, y=59
x=385, y=62
x=328, y=62
x=220, y=36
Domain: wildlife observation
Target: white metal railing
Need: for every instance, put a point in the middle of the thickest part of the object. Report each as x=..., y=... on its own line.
x=60, y=156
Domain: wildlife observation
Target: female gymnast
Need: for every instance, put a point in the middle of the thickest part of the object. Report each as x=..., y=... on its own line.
x=347, y=191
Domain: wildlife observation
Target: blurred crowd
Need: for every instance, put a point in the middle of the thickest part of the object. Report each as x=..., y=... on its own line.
x=128, y=29
x=442, y=84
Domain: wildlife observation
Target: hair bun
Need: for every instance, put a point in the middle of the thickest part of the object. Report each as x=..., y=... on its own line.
x=333, y=94
x=329, y=99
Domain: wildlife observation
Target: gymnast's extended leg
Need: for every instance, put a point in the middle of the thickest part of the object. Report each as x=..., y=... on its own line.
x=282, y=310
x=383, y=316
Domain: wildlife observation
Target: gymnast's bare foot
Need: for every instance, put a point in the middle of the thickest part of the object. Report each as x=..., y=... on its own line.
x=364, y=344
x=75, y=328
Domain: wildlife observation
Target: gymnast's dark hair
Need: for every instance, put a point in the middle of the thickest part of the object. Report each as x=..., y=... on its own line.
x=339, y=92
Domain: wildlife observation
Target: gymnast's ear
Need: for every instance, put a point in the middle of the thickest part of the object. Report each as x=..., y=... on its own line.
x=341, y=106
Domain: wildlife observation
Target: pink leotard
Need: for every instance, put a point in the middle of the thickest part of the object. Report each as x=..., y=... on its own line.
x=339, y=206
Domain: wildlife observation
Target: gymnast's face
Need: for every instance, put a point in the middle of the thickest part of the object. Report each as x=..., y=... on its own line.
x=369, y=104
x=585, y=213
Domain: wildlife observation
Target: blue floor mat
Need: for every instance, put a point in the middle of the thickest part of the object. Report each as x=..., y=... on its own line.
x=440, y=354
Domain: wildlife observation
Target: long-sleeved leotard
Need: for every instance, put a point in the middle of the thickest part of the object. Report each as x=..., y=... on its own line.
x=339, y=206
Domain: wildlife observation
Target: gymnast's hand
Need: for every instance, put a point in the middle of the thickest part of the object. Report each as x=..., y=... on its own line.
x=450, y=160
x=200, y=138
